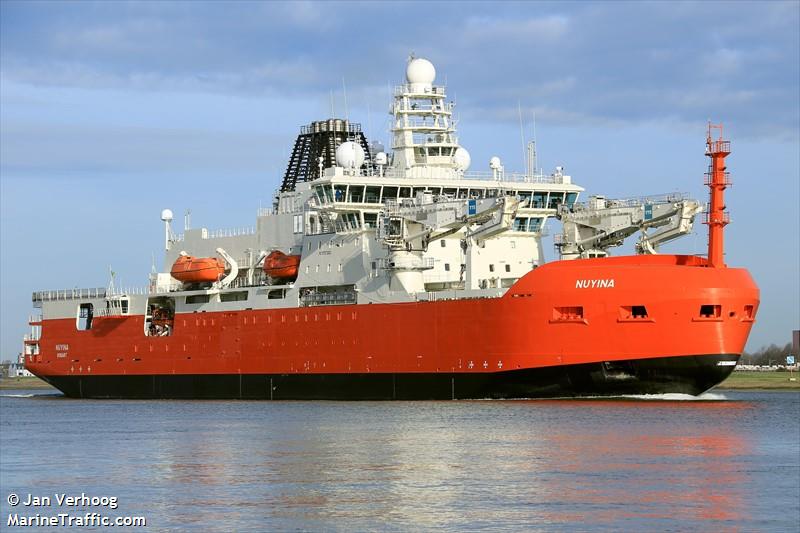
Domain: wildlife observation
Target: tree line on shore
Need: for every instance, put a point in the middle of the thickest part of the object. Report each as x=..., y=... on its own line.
x=766, y=355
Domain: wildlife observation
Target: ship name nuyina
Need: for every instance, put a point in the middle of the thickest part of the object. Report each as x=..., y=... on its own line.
x=594, y=283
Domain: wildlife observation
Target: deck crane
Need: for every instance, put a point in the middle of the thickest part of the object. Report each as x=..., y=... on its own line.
x=590, y=229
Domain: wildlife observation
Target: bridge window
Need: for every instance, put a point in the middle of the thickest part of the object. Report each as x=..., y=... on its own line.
x=373, y=195
x=572, y=197
x=85, y=317
x=520, y=224
x=355, y=194
x=339, y=192
x=556, y=199
x=389, y=193
x=539, y=199
x=535, y=224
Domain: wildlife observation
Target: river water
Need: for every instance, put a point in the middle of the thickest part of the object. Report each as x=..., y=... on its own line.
x=728, y=461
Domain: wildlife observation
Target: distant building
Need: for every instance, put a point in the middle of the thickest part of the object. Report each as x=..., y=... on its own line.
x=18, y=370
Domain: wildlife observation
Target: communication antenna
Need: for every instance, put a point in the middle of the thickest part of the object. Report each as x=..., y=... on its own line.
x=166, y=217
x=344, y=91
x=187, y=220
x=369, y=119
x=111, y=290
x=532, y=149
x=332, y=113
x=522, y=136
x=535, y=145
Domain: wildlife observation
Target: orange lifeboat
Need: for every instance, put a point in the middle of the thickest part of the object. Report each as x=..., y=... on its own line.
x=281, y=266
x=190, y=269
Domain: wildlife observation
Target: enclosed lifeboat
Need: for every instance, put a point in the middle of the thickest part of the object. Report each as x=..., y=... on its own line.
x=281, y=266
x=188, y=269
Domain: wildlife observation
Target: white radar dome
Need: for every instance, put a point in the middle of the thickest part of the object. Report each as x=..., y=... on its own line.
x=350, y=155
x=381, y=159
x=462, y=159
x=166, y=215
x=420, y=74
x=495, y=164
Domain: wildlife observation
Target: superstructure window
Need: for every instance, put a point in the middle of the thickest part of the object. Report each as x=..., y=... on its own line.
x=238, y=296
x=198, y=299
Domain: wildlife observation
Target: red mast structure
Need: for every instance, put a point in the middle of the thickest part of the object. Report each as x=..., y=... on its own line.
x=717, y=179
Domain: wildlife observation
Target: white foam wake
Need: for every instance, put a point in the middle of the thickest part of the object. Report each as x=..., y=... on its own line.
x=29, y=395
x=678, y=397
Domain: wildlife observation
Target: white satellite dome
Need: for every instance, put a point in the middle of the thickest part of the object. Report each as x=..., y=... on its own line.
x=420, y=74
x=495, y=164
x=349, y=154
x=462, y=159
x=166, y=215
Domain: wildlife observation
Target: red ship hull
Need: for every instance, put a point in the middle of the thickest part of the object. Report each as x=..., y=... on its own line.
x=627, y=325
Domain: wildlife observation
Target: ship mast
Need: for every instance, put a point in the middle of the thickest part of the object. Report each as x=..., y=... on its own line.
x=717, y=180
x=424, y=140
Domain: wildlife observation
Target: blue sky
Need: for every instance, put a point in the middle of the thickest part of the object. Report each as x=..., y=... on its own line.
x=111, y=111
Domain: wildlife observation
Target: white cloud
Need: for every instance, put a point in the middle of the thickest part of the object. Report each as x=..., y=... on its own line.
x=538, y=28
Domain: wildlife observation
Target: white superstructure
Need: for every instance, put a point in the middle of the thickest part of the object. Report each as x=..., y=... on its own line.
x=376, y=226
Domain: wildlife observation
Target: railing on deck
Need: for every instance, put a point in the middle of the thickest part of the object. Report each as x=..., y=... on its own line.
x=69, y=294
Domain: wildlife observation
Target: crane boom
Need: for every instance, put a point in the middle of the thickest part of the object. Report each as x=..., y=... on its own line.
x=589, y=230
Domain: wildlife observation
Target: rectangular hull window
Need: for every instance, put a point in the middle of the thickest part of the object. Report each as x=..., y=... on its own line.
x=85, y=316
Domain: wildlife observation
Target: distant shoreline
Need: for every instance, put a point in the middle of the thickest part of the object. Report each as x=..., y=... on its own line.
x=24, y=383
x=770, y=381
x=761, y=381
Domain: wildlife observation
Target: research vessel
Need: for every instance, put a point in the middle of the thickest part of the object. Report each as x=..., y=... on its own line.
x=399, y=273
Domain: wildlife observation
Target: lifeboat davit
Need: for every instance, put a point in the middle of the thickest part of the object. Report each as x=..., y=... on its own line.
x=190, y=269
x=281, y=266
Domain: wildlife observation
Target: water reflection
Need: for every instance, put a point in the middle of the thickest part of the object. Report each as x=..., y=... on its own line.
x=571, y=465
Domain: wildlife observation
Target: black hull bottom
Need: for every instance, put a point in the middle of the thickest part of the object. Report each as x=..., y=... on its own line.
x=684, y=374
